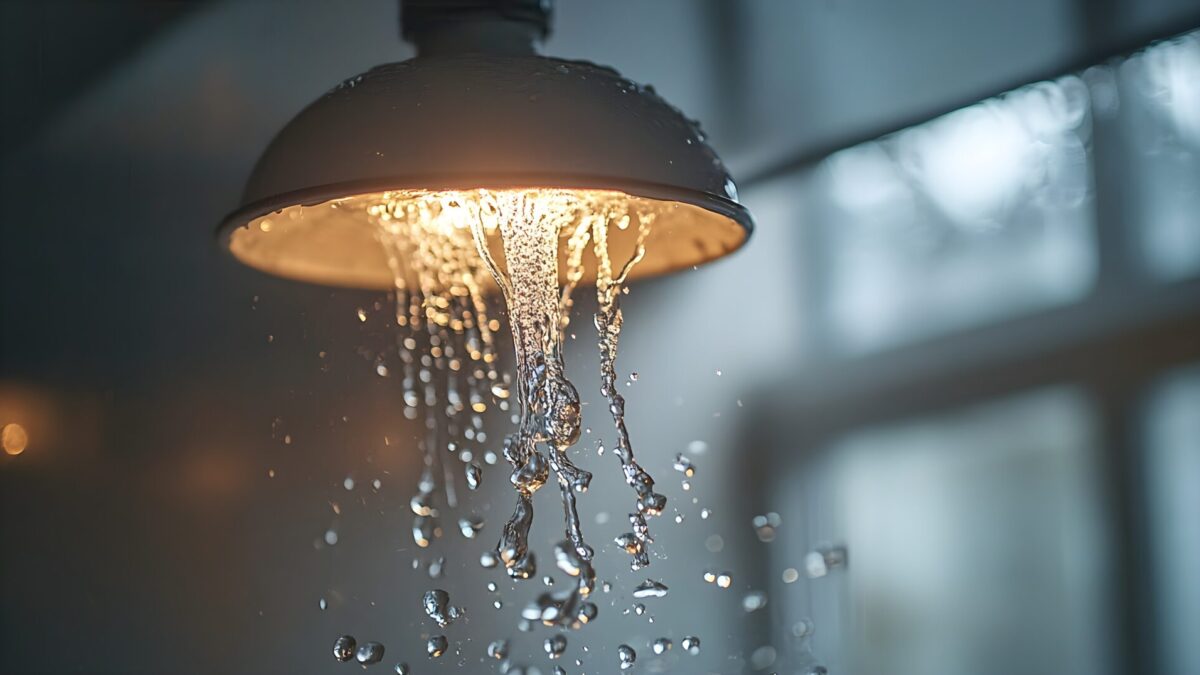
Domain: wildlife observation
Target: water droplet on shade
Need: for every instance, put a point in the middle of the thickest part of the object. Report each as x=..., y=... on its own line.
x=661, y=645
x=402, y=669
x=724, y=579
x=691, y=644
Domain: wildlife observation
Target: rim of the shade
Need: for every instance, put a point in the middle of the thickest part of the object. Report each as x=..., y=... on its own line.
x=312, y=196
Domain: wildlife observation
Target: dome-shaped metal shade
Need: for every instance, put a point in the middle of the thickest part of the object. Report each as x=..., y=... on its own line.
x=476, y=121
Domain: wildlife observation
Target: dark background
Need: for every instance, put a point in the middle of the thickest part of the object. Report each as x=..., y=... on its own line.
x=965, y=354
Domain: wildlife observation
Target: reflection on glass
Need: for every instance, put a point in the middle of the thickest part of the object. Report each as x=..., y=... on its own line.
x=977, y=215
x=974, y=542
x=1173, y=486
x=1159, y=93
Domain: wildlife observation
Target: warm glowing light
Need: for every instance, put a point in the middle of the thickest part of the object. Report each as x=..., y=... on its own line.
x=337, y=241
x=14, y=438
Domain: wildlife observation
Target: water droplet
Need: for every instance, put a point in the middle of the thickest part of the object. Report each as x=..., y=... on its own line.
x=705, y=513
x=474, y=474
x=678, y=518
x=639, y=609
x=468, y=526
x=437, y=606
x=684, y=465
x=803, y=628
x=362, y=315
x=661, y=645
x=488, y=560
x=763, y=657
x=650, y=589
x=691, y=644
x=323, y=605
x=331, y=537
x=790, y=575
x=343, y=648
x=436, y=566
x=348, y=483
x=498, y=649
x=436, y=646
x=555, y=645
x=402, y=669
x=765, y=526
x=626, y=656
x=824, y=560
x=369, y=654
x=754, y=601
x=724, y=579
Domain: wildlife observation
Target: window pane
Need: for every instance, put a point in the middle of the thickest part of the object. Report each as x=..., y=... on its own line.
x=973, y=540
x=1173, y=482
x=981, y=214
x=1159, y=93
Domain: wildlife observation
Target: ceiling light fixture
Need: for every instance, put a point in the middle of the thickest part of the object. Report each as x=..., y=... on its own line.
x=479, y=110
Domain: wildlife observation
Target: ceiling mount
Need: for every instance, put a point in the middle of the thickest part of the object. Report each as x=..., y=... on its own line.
x=480, y=26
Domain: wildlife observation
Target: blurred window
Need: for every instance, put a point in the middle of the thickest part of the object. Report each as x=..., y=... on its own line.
x=975, y=541
x=978, y=215
x=1159, y=106
x=1173, y=490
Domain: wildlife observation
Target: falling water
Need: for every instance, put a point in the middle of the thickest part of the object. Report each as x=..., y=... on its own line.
x=447, y=252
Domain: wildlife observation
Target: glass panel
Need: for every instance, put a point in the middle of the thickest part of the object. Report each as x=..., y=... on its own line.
x=1173, y=487
x=973, y=542
x=981, y=214
x=1159, y=94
